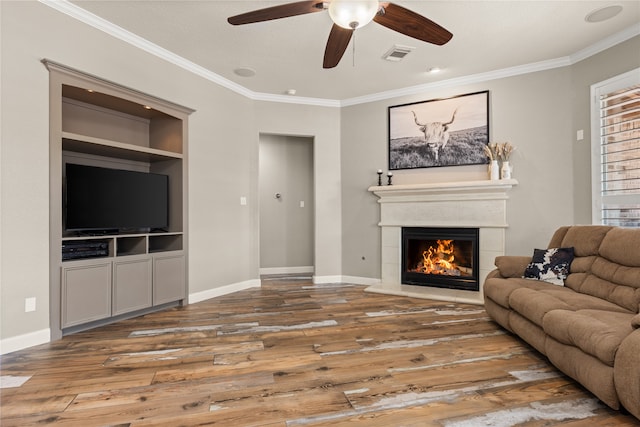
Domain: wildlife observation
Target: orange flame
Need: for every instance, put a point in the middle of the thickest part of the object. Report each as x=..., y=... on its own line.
x=439, y=260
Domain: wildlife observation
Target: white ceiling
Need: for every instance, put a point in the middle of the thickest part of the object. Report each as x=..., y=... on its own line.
x=488, y=37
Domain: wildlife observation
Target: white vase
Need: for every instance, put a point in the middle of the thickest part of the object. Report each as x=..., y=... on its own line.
x=506, y=170
x=494, y=170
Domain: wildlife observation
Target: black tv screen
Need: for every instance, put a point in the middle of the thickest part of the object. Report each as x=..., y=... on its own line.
x=103, y=199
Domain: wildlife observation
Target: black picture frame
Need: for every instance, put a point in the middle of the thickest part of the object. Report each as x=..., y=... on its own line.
x=439, y=132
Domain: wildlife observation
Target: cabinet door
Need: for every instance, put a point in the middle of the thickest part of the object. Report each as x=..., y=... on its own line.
x=169, y=278
x=131, y=285
x=86, y=292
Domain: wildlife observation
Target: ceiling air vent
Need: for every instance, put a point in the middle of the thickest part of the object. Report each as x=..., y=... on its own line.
x=397, y=53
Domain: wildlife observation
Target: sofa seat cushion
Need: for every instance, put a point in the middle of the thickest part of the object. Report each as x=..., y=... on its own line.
x=499, y=289
x=596, y=332
x=534, y=304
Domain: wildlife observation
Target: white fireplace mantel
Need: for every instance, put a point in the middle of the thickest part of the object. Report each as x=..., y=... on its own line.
x=478, y=204
x=444, y=190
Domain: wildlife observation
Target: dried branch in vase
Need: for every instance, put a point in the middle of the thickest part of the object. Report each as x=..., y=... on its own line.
x=504, y=151
x=491, y=150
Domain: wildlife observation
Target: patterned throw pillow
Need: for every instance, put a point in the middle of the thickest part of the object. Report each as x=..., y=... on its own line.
x=550, y=265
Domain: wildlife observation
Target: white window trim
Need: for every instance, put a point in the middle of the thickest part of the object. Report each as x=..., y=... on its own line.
x=621, y=81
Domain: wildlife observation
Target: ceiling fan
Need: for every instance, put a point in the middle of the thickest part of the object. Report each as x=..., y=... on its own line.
x=347, y=16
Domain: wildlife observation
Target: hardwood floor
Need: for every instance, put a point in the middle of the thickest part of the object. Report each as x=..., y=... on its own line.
x=297, y=354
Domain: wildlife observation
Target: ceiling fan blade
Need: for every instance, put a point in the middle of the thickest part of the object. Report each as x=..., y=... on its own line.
x=277, y=12
x=411, y=24
x=336, y=45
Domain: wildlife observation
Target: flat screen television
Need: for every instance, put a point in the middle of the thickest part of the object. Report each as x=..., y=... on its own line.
x=114, y=200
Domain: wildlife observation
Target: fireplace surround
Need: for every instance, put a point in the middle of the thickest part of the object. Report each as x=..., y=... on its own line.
x=480, y=205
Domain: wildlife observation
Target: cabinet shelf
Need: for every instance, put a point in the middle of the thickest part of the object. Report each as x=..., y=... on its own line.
x=104, y=147
x=118, y=246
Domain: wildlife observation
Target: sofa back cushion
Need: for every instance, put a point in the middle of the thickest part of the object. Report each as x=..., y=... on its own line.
x=607, y=263
x=619, y=263
x=622, y=246
x=585, y=239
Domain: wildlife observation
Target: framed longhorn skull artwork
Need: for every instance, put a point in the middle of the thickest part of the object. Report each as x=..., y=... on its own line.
x=439, y=132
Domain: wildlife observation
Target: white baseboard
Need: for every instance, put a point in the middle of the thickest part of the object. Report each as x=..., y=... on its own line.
x=345, y=279
x=223, y=290
x=9, y=345
x=287, y=270
x=360, y=280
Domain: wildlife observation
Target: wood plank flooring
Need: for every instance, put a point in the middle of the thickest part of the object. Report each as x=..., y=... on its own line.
x=296, y=354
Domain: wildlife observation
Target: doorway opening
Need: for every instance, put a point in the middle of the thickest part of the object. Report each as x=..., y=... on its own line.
x=287, y=206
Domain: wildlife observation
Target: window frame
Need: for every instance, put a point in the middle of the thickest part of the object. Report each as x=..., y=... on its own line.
x=621, y=81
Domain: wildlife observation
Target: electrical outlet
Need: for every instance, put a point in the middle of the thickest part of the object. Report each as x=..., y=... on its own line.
x=302, y=203
x=580, y=135
x=29, y=304
x=243, y=201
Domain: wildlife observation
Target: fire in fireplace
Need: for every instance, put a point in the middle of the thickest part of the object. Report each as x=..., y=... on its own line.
x=441, y=257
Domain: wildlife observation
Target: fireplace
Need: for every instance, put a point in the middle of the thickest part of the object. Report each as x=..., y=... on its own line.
x=480, y=205
x=441, y=257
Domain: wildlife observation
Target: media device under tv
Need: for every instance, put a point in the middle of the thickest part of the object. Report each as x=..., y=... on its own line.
x=99, y=200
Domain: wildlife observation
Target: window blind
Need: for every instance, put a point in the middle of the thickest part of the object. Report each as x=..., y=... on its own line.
x=620, y=157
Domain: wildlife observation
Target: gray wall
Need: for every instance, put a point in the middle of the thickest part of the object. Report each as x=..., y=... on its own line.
x=531, y=111
x=223, y=159
x=538, y=112
x=612, y=62
x=286, y=227
x=323, y=124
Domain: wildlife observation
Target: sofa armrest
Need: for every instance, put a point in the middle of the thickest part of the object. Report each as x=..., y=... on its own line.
x=626, y=373
x=512, y=265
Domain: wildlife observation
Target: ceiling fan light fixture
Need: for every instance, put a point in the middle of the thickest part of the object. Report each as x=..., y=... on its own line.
x=352, y=14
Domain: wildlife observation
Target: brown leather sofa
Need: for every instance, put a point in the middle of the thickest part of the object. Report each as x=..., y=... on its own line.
x=589, y=328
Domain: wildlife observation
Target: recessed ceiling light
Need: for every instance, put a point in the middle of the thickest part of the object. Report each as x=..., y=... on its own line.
x=245, y=72
x=146, y=107
x=291, y=92
x=434, y=70
x=603, y=13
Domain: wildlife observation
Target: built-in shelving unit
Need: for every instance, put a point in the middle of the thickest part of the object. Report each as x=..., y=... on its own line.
x=96, y=279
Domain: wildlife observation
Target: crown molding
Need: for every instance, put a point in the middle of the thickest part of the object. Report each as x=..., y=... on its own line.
x=300, y=100
x=460, y=81
x=606, y=43
x=118, y=32
x=76, y=12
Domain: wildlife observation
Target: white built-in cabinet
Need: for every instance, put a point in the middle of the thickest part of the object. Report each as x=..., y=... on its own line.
x=99, y=123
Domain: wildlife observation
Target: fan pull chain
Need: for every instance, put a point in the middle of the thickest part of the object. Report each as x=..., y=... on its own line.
x=353, y=56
